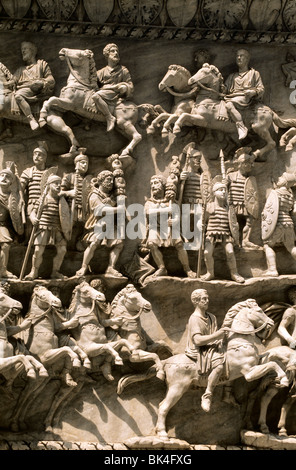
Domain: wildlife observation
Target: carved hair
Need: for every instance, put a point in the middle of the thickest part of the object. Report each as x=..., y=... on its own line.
x=107, y=49
x=197, y=294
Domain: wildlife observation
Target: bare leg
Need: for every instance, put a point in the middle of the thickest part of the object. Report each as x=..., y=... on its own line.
x=271, y=261
x=4, y=255
x=114, y=256
x=209, y=261
x=87, y=257
x=158, y=259
x=183, y=258
x=206, y=399
x=57, y=262
x=36, y=262
x=237, y=118
x=231, y=261
x=25, y=108
x=104, y=108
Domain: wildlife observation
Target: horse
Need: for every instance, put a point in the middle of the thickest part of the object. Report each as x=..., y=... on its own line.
x=268, y=388
x=126, y=309
x=242, y=359
x=174, y=82
x=89, y=320
x=76, y=97
x=208, y=112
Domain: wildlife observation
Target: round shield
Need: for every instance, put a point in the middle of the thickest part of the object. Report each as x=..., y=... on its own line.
x=65, y=218
x=251, y=197
x=233, y=224
x=269, y=215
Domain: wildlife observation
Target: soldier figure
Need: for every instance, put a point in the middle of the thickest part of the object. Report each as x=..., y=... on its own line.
x=102, y=201
x=243, y=194
x=277, y=222
x=157, y=204
x=220, y=230
x=10, y=217
x=33, y=81
x=74, y=188
x=52, y=227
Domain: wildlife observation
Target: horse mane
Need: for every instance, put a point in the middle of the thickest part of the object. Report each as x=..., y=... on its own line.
x=215, y=70
x=120, y=295
x=181, y=69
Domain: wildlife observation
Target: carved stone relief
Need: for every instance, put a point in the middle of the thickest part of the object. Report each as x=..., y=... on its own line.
x=147, y=224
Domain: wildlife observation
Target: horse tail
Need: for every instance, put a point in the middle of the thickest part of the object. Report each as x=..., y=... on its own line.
x=283, y=123
x=133, y=378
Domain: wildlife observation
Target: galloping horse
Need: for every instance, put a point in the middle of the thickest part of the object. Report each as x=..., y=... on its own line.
x=242, y=359
x=175, y=82
x=88, y=327
x=76, y=97
x=207, y=111
x=41, y=339
x=126, y=309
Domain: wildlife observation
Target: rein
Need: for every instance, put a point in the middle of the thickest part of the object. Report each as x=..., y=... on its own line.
x=6, y=315
x=182, y=95
x=204, y=87
x=246, y=332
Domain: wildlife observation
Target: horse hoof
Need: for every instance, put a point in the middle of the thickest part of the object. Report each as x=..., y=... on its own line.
x=118, y=361
x=31, y=374
x=288, y=148
x=163, y=435
x=160, y=374
x=283, y=432
x=43, y=373
x=42, y=122
x=176, y=129
x=87, y=363
x=150, y=130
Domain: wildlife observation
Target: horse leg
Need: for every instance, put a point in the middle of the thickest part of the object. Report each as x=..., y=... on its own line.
x=70, y=360
x=139, y=355
x=187, y=119
x=167, y=125
x=54, y=421
x=156, y=122
x=60, y=396
x=57, y=124
x=284, y=413
x=174, y=393
x=128, y=130
x=264, y=403
x=256, y=372
x=263, y=131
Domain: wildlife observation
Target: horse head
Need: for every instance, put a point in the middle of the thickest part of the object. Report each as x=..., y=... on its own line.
x=44, y=298
x=208, y=75
x=133, y=301
x=176, y=77
x=89, y=294
x=251, y=319
x=9, y=304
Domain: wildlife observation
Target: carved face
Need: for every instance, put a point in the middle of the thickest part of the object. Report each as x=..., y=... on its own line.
x=5, y=180
x=82, y=166
x=39, y=158
x=242, y=58
x=28, y=52
x=114, y=54
x=107, y=183
x=245, y=167
x=55, y=187
x=220, y=193
x=157, y=189
x=195, y=163
x=203, y=301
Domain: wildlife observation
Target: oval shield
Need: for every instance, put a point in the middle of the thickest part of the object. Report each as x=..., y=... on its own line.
x=140, y=11
x=264, y=13
x=58, y=10
x=223, y=14
x=15, y=213
x=98, y=12
x=233, y=224
x=269, y=215
x=65, y=218
x=251, y=197
x=16, y=9
x=181, y=12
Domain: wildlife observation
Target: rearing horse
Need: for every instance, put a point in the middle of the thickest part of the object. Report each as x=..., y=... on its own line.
x=242, y=359
x=88, y=328
x=76, y=97
x=206, y=112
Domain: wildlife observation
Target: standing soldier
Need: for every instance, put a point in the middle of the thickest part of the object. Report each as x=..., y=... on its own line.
x=75, y=187
x=243, y=194
x=51, y=222
x=277, y=223
x=220, y=230
x=10, y=218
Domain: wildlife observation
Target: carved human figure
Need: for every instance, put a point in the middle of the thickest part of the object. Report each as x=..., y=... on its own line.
x=31, y=177
x=10, y=217
x=156, y=207
x=287, y=326
x=204, y=344
x=277, y=223
x=219, y=231
x=243, y=88
x=73, y=188
x=101, y=205
x=115, y=83
x=51, y=228
x=33, y=80
x=243, y=194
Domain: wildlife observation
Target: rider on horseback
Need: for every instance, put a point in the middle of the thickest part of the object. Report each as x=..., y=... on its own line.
x=115, y=83
x=204, y=345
